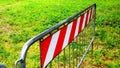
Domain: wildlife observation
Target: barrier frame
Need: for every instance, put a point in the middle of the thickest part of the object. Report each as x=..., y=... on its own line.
x=50, y=31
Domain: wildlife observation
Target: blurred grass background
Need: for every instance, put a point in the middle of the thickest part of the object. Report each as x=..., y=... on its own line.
x=21, y=20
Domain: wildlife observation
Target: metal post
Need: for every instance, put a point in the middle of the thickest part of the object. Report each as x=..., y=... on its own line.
x=79, y=46
x=23, y=64
x=94, y=20
x=73, y=55
x=92, y=51
x=85, y=53
x=69, y=56
x=64, y=58
x=58, y=61
x=77, y=52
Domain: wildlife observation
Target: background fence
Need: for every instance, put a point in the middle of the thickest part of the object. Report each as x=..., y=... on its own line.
x=72, y=55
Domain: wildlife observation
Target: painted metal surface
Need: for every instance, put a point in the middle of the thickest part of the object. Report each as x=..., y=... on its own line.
x=55, y=43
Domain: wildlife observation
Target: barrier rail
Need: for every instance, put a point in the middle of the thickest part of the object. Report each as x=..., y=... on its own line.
x=68, y=39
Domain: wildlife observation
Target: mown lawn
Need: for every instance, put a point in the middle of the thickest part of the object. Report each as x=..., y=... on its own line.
x=21, y=20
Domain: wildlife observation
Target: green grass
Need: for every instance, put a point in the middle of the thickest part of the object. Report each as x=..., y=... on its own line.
x=23, y=19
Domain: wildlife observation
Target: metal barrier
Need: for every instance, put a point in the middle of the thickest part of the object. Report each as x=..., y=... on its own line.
x=68, y=41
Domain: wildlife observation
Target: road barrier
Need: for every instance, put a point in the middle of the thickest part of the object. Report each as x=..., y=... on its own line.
x=65, y=44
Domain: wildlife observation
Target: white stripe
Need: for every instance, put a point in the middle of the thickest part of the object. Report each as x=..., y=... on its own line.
x=88, y=17
x=83, y=25
x=66, y=40
x=77, y=27
x=51, y=49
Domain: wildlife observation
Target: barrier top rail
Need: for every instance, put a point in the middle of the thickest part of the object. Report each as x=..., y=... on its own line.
x=47, y=33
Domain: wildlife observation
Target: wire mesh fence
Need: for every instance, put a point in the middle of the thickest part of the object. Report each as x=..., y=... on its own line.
x=71, y=56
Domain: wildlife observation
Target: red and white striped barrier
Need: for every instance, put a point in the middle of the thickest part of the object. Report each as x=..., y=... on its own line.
x=54, y=44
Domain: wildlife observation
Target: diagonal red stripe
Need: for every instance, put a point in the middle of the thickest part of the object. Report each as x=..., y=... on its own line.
x=44, y=45
x=90, y=14
x=73, y=30
x=81, y=22
x=86, y=18
x=60, y=41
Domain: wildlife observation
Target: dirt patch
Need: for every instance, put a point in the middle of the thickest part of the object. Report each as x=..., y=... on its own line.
x=109, y=60
x=87, y=64
x=6, y=29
